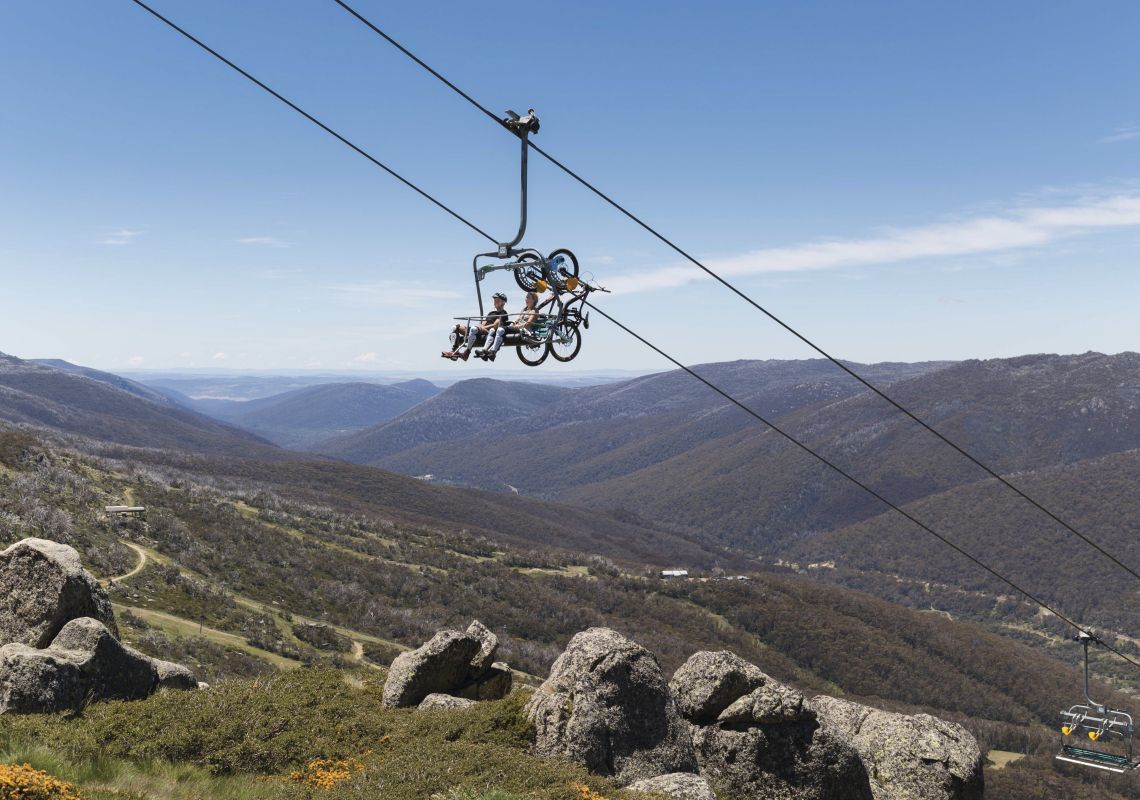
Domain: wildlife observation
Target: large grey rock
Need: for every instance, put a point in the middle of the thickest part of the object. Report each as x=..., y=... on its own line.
x=113, y=671
x=488, y=647
x=606, y=706
x=174, y=676
x=441, y=665
x=439, y=700
x=39, y=681
x=709, y=682
x=759, y=737
x=493, y=684
x=85, y=663
x=907, y=757
x=677, y=785
x=769, y=704
x=43, y=586
x=783, y=761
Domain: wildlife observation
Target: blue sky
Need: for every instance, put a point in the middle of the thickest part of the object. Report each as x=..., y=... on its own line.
x=901, y=181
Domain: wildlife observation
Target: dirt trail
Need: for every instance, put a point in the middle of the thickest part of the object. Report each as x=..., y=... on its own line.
x=139, y=567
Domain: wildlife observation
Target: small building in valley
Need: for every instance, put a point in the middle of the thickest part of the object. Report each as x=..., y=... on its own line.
x=126, y=511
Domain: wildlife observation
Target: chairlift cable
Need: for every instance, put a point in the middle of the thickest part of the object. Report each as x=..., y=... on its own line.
x=673, y=360
x=316, y=122
x=742, y=295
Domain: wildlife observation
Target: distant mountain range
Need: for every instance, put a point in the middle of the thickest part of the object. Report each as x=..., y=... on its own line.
x=658, y=468
x=73, y=399
x=105, y=407
x=302, y=417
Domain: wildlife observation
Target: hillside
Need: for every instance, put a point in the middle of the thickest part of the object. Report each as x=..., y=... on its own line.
x=467, y=408
x=1097, y=495
x=86, y=402
x=302, y=417
x=752, y=489
x=596, y=432
x=235, y=555
x=119, y=382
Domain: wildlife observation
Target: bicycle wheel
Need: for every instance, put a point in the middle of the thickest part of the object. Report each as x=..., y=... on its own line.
x=528, y=272
x=567, y=269
x=532, y=354
x=565, y=342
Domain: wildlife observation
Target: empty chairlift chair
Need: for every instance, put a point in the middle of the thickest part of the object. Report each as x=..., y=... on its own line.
x=1104, y=734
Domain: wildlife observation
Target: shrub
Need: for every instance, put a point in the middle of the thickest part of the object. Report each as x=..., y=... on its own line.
x=22, y=782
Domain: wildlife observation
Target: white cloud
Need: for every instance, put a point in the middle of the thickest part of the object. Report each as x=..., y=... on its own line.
x=366, y=358
x=264, y=241
x=220, y=356
x=134, y=361
x=984, y=235
x=387, y=294
x=121, y=236
x=1121, y=133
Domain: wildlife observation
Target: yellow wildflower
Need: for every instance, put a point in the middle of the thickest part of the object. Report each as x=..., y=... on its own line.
x=325, y=773
x=22, y=782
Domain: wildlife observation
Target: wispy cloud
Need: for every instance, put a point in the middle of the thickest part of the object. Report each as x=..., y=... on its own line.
x=366, y=358
x=264, y=241
x=384, y=294
x=120, y=237
x=220, y=356
x=135, y=361
x=983, y=235
x=1121, y=133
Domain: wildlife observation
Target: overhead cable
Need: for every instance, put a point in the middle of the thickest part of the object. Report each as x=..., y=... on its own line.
x=670, y=358
x=742, y=295
x=316, y=121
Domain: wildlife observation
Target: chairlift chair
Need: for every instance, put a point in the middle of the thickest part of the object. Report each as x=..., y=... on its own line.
x=1108, y=730
x=555, y=333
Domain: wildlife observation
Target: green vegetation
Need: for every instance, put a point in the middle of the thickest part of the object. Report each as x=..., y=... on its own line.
x=283, y=736
x=240, y=554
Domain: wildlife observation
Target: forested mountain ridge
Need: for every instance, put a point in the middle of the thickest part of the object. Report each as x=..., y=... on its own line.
x=302, y=417
x=601, y=431
x=753, y=489
x=90, y=403
x=459, y=411
x=235, y=554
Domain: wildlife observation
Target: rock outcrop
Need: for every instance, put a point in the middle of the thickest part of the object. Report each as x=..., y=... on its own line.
x=493, y=683
x=759, y=737
x=85, y=662
x=677, y=786
x=709, y=682
x=43, y=586
x=444, y=701
x=606, y=706
x=457, y=663
x=175, y=676
x=916, y=757
x=488, y=647
x=60, y=647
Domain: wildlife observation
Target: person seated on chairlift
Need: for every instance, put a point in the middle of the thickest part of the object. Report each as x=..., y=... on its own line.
x=465, y=336
x=522, y=324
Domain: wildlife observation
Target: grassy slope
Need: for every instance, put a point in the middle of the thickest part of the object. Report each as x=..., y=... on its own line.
x=243, y=740
x=384, y=579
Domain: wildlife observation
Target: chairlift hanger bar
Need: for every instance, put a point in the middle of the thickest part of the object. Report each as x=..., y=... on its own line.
x=649, y=344
x=746, y=298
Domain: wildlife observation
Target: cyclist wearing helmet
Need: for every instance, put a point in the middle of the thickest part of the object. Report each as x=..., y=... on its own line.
x=466, y=336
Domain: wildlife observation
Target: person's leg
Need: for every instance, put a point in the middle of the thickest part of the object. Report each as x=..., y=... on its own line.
x=500, y=333
x=456, y=339
x=472, y=335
